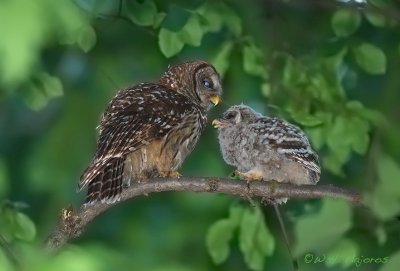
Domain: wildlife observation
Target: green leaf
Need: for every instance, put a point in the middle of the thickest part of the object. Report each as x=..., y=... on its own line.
x=86, y=38
x=159, y=19
x=373, y=116
x=339, y=145
x=35, y=24
x=304, y=117
x=169, y=42
x=220, y=234
x=391, y=263
x=381, y=235
x=192, y=32
x=41, y=89
x=4, y=185
x=293, y=74
x=310, y=229
x=342, y=253
x=253, y=61
x=52, y=85
x=5, y=263
x=266, y=89
x=25, y=229
x=176, y=18
x=217, y=240
x=375, y=18
x=346, y=133
x=255, y=240
x=385, y=199
x=212, y=19
x=230, y=18
x=317, y=136
x=144, y=14
x=335, y=159
x=345, y=22
x=221, y=59
x=370, y=58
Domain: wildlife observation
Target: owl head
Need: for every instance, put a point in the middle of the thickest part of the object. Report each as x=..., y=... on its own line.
x=197, y=80
x=235, y=115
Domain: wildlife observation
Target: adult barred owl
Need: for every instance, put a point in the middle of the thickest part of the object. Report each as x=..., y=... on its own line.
x=148, y=129
x=266, y=148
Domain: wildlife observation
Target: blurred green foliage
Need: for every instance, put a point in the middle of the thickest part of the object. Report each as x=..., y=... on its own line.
x=330, y=66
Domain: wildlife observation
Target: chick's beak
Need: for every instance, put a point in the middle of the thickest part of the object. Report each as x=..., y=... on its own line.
x=215, y=99
x=215, y=123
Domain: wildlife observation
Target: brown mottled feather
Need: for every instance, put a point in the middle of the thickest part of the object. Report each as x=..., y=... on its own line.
x=148, y=119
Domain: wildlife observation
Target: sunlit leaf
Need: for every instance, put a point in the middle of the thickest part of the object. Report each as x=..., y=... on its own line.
x=192, y=32
x=218, y=237
x=222, y=59
x=375, y=18
x=342, y=253
x=253, y=61
x=385, y=199
x=390, y=263
x=159, y=19
x=266, y=89
x=142, y=14
x=231, y=19
x=381, y=235
x=373, y=116
x=87, y=38
x=317, y=136
x=212, y=18
x=255, y=240
x=25, y=228
x=52, y=85
x=169, y=42
x=42, y=88
x=217, y=14
x=370, y=58
x=35, y=24
x=220, y=234
x=312, y=234
x=75, y=259
x=345, y=22
x=6, y=265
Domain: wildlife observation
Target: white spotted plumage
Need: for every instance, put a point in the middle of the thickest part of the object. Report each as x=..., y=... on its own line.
x=148, y=129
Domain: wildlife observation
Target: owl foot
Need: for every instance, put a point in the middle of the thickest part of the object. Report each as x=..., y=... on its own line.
x=251, y=175
x=172, y=174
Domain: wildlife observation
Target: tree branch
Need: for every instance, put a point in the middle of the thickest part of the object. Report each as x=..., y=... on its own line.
x=72, y=223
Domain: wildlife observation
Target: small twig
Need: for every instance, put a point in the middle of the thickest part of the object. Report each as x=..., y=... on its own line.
x=72, y=223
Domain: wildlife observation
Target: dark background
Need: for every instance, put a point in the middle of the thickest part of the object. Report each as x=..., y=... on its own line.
x=331, y=67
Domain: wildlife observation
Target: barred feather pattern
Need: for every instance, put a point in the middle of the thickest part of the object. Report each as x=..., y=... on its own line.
x=273, y=147
x=146, y=128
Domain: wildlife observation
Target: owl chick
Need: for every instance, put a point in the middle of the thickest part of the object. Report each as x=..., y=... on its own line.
x=266, y=148
x=149, y=129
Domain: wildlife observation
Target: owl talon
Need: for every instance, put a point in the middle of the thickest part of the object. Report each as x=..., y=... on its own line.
x=172, y=174
x=251, y=175
x=175, y=174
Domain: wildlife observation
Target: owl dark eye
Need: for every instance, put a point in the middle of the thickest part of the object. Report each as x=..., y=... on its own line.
x=230, y=115
x=207, y=83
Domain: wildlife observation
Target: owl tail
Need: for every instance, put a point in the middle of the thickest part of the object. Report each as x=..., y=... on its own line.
x=106, y=185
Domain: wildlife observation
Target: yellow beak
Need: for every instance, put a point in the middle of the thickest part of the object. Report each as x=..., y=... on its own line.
x=215, y=99
x=215, y=123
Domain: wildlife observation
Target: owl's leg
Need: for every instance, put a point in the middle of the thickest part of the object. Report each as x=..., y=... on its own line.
x=251, y=175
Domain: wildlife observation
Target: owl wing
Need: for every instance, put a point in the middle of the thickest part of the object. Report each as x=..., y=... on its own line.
x=133, y=119
x=288, y=140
